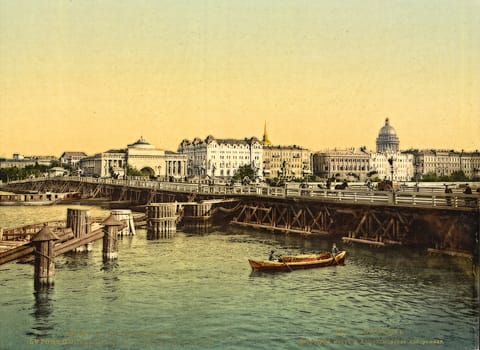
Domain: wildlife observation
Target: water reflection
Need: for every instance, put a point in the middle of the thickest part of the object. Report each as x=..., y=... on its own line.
x=42, y=312
x=110, y=280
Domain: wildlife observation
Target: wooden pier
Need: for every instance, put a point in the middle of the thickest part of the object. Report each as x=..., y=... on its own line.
x=51, y=239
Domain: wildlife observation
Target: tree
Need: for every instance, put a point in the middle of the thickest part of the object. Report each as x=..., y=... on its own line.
x=244, y=171
x=458, y=176
x=131, y=171
x=430, y=177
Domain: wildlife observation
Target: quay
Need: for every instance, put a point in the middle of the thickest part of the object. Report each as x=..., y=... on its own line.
x=433, y=220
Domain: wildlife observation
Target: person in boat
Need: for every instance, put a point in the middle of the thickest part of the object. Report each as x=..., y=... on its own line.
x=468, y=189
x=334, y=249
x=272, y=255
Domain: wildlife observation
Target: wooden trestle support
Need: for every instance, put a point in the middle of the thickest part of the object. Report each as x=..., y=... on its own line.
x=381, y=226
x=286, y=217
x=438, y=230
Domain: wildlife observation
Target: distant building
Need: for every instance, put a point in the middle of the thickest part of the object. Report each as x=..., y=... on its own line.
x=140, y=155
x=57, y=171
x=470, y=164
x=445, y=162
x=341, y=163
x=287, y=162
x=16, y=163
x=387, y=140
x=104, y=164
x=222, y=157
x=156, y=162
x=71, y=159
x=397, y=165
x=21, y=161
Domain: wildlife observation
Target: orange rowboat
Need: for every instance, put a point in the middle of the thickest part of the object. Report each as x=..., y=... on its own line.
x=297, y=263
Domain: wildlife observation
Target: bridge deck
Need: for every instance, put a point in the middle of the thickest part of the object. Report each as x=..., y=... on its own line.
x=405, y=198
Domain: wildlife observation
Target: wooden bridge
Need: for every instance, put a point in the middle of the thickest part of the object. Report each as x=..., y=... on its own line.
x=448, y=222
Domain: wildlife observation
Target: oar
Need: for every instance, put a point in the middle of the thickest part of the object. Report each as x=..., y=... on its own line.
x=289, y=268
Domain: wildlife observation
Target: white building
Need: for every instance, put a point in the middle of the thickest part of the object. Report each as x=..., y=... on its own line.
x=104, y=164
x=445, y=162
x=222, y=157
x=71, y=159
x=140, y=155
x=398, y=164
x=351, y=163
x=156, y=162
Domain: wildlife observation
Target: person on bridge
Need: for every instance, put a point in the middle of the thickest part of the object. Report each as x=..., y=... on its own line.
x=468, y=189
x=448, y=198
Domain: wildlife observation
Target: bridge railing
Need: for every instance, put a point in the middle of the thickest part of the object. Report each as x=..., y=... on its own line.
x=404, y=198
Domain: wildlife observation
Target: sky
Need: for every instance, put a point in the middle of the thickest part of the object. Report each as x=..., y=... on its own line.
x=95, y=75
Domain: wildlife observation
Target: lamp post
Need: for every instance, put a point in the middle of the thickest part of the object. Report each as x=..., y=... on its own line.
x=390, y=161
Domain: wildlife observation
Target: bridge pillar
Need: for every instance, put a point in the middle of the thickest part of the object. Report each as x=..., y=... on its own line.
x=79, y=221
x=197, y=217
x=44, y=270
x=161, y=220
x=110, y=238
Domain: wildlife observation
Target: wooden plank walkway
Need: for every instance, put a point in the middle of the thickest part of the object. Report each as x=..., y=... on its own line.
x=11, y=250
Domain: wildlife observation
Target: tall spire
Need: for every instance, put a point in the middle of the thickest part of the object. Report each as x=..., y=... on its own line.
x=265, y=140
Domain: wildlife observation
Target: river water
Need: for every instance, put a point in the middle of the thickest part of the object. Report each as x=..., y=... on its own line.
x=198, y=292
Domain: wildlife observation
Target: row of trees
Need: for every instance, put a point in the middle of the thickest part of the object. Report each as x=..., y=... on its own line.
x=244, y=172
x=14, y=173
x=456, y=176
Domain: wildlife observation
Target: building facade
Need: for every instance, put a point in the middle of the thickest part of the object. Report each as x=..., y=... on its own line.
x=105, y=164
x=21, y=161
x=71, y=159
x=445, y=162
x=392, y=166
x=140, y=155
x=286, y=162
x=470, y=164
x=341, y=164
x=221, y=158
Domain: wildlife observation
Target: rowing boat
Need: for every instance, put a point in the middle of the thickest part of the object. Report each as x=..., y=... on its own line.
x=304, y=257
x=323, y=261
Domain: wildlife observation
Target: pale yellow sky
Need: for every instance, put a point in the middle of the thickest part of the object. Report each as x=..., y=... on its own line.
x=94, y=75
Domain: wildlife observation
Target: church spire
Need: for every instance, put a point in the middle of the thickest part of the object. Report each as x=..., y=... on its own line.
x=265, y=140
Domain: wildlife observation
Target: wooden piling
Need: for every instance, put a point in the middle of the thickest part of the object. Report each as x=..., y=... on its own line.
x=197, y=217
x=125, y=216
x=79, y=221
x=161, y=220
x=44, y=273
x=110, y=238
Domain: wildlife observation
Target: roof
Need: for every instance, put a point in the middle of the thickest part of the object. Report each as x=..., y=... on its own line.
x=73, y=154
x=45, y=234
x=111, y=221
x=141, y=143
